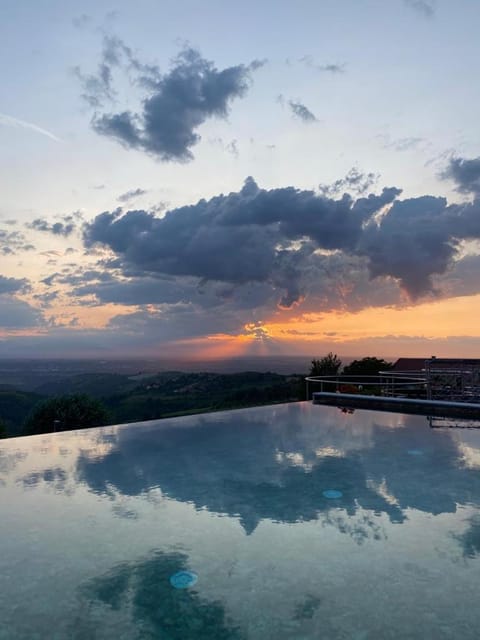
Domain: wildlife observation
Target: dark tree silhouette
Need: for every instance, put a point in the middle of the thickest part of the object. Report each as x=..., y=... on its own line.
x=329, y=365
x=64, y=413
x=369, y=366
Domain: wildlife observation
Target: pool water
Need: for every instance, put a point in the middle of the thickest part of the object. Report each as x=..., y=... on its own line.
x=287, y=521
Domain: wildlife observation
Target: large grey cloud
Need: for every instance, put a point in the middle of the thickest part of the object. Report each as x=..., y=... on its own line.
x=173, y=105
x=285, y=238
x=238, y=238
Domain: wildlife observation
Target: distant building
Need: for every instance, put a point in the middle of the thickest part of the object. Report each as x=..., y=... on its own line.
x=409, y=365
x=455, y=379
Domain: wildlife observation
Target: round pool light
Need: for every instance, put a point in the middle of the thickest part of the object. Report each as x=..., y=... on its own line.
x=332, y=494
x=183, y=579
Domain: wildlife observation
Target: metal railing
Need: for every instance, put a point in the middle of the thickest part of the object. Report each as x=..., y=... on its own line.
x=386, y=383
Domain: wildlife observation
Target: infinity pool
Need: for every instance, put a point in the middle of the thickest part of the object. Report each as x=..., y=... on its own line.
x=297, y=521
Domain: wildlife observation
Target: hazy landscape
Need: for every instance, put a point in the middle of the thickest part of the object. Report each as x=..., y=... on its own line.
x=29, y=375
x=136, y=390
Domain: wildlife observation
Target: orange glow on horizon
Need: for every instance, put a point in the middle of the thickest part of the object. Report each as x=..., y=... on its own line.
x=441, y=319
x=383, y=331
x=440, y=327
x=219, y=346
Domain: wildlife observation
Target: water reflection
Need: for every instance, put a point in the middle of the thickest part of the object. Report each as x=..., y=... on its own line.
x=82, y=511
x=269, y=463
x=10, y=459
x=142, y=592
x=56, y=477
x=277, y=469
x=470, y=539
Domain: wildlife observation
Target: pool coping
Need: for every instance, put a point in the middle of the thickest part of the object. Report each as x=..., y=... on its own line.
x=400, y=405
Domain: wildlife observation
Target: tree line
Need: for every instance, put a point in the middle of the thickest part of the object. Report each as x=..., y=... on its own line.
x=331, y=365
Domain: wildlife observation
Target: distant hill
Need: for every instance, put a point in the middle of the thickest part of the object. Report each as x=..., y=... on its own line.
x=94, y=384
x=29, y=375
x=177, y=393
x=148, y=396
x=14, y=408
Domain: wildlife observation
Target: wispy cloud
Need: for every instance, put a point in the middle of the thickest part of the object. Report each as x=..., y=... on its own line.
x=298, y=109
x=422, y=6
x=400, y=144
x=301, y=112
x=130, y=195
x=10, y=121
x=309, y=61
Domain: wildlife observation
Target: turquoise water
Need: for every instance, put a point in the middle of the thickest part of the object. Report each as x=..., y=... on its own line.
x=290, y=521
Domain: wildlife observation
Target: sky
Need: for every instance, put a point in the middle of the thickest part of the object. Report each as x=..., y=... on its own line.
x=215, y=179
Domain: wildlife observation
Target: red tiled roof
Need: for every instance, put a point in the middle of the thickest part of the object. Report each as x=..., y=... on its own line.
x=409, y=364
x=418, y=364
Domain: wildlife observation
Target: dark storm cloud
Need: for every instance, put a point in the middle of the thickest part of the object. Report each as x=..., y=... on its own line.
x=239, y=238
x=465, y=174
x=290, y=241
x=130, y=195
x=425, y=7
x=301, y=112
x=174, y=105
x=412, y=242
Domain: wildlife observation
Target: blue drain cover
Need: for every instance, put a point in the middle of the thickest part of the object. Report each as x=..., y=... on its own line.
x=415, y=452
x=183, y=579
x=332, y=494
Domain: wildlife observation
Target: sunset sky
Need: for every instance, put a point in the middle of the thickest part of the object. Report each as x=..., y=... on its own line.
x=216, y=179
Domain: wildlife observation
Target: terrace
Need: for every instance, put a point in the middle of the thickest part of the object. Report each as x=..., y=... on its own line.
x=288, y=521
x=446, y=389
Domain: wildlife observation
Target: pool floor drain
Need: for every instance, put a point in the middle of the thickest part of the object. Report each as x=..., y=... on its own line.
x=183, y=579
x=415, y=452
x=332, y=494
